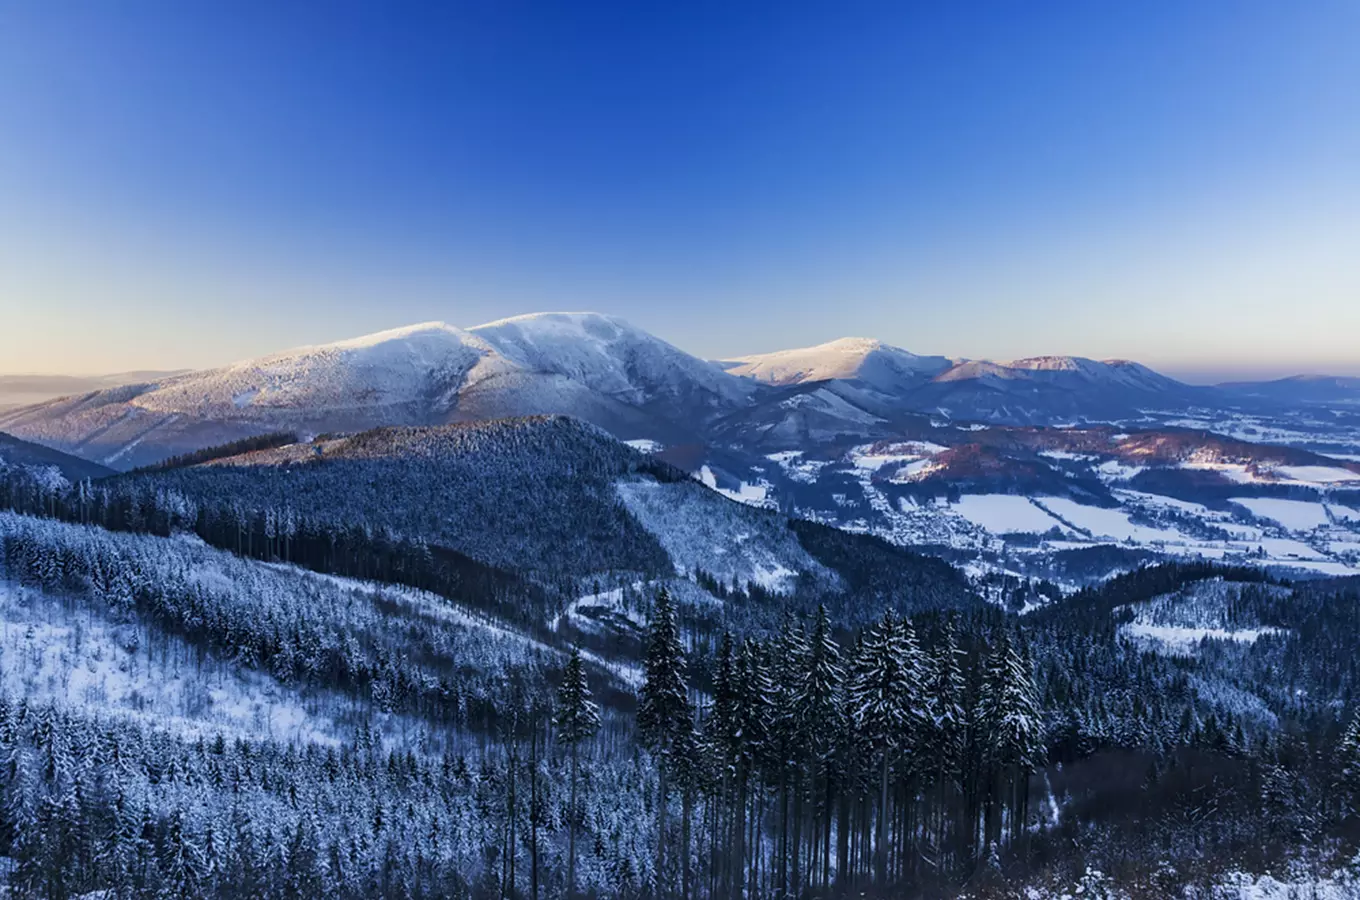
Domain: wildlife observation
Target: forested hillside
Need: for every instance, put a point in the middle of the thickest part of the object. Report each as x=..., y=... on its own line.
x=317, y=670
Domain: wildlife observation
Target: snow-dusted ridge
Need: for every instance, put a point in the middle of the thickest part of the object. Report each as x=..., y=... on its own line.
x=845, y=358
x=595, y=367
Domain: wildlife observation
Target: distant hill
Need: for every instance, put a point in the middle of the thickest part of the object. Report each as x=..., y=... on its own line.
x=25, y=390
x=27, y=455
x=597, y=368
x=552, y=499
x=1309, y=389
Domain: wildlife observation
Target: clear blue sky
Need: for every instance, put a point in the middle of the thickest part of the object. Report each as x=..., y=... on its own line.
x=188, y=183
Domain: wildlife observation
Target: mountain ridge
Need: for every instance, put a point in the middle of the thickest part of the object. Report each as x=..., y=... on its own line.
x=605, y=371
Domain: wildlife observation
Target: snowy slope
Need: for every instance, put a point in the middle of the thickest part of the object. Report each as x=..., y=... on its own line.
x=612, y=357
x=595, y=367
x=870, y=361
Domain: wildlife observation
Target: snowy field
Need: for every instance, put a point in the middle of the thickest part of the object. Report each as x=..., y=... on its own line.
x=1184, y=641
x=1113, y=524
x=1004, y=513
x=1295, y=515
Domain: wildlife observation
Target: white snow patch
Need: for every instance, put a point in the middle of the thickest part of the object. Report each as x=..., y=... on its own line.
x=1318, y=474
x=1295, y=515
x=750, y=494
x=1179, y=641
x=1003, y=513
x=1107, y=523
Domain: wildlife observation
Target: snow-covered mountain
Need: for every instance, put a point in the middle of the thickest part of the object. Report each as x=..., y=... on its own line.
x=1320, y=390
x=875, y=364
x=607, y=372
x=1052, y=388
x=594, y=367
x=860, y=388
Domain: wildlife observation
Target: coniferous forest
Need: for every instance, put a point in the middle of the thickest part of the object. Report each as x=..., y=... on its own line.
x=204, y=698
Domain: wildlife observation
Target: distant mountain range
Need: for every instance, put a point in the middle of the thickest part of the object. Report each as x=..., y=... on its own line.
x=638, y=387
x=1309, y=389
x=15, y=453
x=25, y=390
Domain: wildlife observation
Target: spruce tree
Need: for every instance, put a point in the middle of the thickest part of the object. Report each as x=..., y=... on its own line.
x=664, y=720
x=944, y=739
x=885, y=701
x=1348, y=765
x=577, y=718
x=818, y=707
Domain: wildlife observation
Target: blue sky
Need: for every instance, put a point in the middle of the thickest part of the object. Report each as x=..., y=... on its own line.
x=184, y=184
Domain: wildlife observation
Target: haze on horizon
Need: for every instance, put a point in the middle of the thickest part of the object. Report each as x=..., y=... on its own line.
x=1172, y=182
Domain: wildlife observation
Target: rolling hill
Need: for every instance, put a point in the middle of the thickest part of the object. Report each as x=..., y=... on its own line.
x=596, y=368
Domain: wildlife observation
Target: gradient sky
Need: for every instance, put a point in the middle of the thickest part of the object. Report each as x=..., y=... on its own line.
x=183, y=184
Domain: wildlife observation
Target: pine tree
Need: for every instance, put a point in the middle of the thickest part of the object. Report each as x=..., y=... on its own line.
x=948, y=720
x=1011, y=732
x=577, y=718
x=664, y=719
x=791, y=747
x=886, y=704
x=1348, y=765
x=818, y=707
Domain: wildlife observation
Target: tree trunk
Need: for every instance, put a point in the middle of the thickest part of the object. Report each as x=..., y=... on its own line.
x=796, y=886
x=686, y=808
x=881, y=849
x=571, y=828
x=826, y=839
x=842, y=837
x=660, y=828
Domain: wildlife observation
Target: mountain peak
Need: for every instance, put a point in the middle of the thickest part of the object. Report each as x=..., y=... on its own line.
x=847, y=358
x=391, y=335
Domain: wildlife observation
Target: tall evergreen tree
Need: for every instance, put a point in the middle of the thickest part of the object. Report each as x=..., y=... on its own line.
x=1348, y=765
x=577, y=718
x=886, y=703
x=664, y=720
x=817, y=712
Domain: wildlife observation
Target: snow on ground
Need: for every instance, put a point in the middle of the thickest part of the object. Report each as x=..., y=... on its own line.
x=610, y=600
x=1286, y=548
x=1317, y=474
x=825, y=401
x=499, y=636
x=1236, y=472
x=1241, y=886
x=1106, y=523
x=1065, y=455
x=1183, y=641
x=910, y=451
x=1116, y=470
x=80, y=659
x=1345, y=513
x=752, y=494
x=646, y=445
x=1295, y=515
x=1302, y=885
x=1158, y=500
x=915, y=470
x=1003, y=513
x=796, y=467
x=733, y=543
